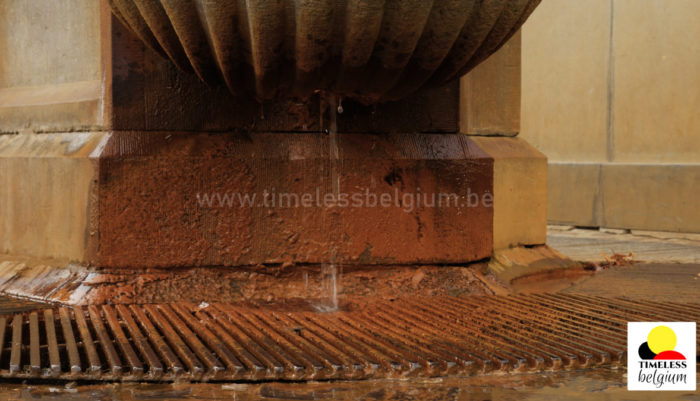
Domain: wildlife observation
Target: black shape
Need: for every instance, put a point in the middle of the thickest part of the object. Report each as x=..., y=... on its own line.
x=645, y=352
x=394, y=176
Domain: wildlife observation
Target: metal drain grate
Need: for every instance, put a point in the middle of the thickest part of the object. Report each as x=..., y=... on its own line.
x=426, y=337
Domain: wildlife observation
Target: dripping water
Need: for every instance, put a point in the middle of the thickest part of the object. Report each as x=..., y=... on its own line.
x=329, y=271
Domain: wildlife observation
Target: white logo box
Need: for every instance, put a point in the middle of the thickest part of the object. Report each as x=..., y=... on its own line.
x=657, y=375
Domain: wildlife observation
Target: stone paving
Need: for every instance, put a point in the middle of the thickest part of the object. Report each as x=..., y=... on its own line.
x=648, y=246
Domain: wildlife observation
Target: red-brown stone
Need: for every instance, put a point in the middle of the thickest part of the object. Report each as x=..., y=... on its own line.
x=149, y=214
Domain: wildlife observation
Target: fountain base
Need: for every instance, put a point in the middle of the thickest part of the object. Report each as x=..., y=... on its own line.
x=129, y=200
x=308, y=285
x=118, y=161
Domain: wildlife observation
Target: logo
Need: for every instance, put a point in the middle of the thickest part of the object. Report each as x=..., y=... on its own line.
x=664, y=357
x=660, y=345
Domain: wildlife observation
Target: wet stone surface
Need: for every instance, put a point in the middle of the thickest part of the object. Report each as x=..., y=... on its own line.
x=602, y=382
x=11, y=305
x=595, y=384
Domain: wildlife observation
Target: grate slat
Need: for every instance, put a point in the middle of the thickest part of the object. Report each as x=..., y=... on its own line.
x=468, y=351
x=507, y=355
x=16, y=349
x=52, y=342
x=34, y=350
x=88, y=343
x=132, y=359
x=255, y=369
x=235, y=367
x=543, y=351
x=294, y=367
x=115, y=364
x=155, y=367
x=584, y=352
x=321, y=359
x=468, y=363
x=242, y=341
x=181, y=349
x=336, y=356
x=191, y=339
x=69, y=338
x=3, y=329
x=169, y=358
x=299, y=366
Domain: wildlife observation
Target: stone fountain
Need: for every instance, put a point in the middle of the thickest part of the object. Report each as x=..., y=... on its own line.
x=374, y=51
x=134, y=134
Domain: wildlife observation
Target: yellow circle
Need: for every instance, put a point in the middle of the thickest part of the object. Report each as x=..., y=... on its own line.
x=660, y=339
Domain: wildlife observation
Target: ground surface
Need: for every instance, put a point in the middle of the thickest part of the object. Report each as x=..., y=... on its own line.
x=674, y=277
x=647, y=246
x=644, y=281
x=10, y=305
x=600, y=384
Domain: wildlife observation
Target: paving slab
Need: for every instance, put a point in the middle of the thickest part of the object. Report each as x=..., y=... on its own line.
x=595, y=245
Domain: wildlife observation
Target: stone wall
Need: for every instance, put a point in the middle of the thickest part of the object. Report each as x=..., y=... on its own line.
x=611, y=93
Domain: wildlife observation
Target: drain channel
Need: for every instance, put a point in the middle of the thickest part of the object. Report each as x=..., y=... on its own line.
x=406, y=337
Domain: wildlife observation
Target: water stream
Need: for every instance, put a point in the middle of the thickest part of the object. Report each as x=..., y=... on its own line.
x=329, y=271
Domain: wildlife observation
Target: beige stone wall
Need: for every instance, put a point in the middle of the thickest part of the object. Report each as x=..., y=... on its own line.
x=51, y=70
x=490, y=113
x=611, y=94
x=38, y=52
x=47, y=182
x=490, y=94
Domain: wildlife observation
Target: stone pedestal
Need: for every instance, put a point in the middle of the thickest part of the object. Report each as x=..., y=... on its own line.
x=133, y=164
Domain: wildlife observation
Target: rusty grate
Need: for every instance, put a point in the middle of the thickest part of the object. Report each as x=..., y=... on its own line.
x=422, y=337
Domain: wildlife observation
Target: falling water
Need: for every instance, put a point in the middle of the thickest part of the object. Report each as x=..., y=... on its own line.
x=329, y=271
x=329, y=285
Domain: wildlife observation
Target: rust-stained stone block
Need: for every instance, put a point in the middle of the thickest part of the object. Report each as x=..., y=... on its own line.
x=131, y=199
x=150, y=213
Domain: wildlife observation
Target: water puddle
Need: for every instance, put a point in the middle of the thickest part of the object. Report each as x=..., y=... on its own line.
x=587, y=385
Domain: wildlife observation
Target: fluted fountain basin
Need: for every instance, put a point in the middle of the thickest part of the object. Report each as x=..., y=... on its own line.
x=370, y=50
